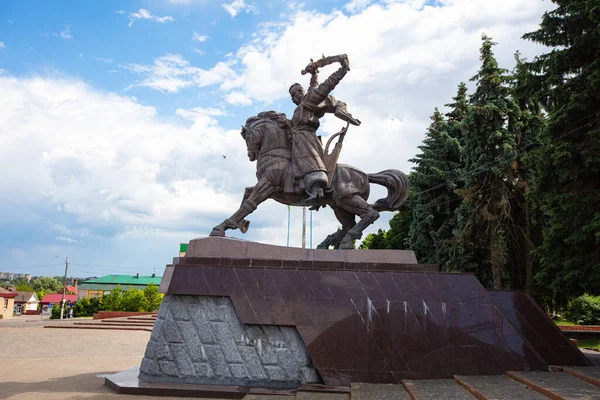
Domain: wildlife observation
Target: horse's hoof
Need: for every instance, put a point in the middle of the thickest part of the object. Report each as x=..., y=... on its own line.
x=346, y=245
x=244, y=225
x=217, y=231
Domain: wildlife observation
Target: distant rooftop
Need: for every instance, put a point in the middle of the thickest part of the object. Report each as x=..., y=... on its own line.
x=57, y=298
x=109, y=282
x=7, y=293
x=71, y=288
x=24, y=297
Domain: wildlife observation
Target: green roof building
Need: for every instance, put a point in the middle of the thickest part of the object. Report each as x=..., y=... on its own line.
x=98, y=287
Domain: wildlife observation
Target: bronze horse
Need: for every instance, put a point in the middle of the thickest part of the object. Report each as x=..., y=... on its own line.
x=268, y=142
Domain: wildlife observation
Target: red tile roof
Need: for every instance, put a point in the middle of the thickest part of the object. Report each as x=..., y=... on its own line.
x=57, y=298
x=72, y=288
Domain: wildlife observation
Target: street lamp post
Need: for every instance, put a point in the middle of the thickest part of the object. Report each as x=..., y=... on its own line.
x=62, y=303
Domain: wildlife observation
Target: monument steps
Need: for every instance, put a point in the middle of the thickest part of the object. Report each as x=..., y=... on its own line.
x=108, y=327
x=110, y=323
x=148, y=318
x=558, y=385
x=120, y=323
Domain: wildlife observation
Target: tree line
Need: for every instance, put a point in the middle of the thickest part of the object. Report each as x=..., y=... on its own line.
x=132, y=299
x=506, y=183
x=41, y=286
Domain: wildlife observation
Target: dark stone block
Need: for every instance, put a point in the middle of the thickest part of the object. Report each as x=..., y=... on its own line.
x=364, y=317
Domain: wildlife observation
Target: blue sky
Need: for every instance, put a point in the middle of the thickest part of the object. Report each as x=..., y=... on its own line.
x=115, y=114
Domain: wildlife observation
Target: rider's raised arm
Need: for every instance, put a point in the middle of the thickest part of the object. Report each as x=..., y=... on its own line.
x=316, y=96
x=314, y=80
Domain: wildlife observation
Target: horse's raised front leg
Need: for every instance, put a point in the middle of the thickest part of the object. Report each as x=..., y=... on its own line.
x=253, y=196
x=347, y=220
x=357, y=206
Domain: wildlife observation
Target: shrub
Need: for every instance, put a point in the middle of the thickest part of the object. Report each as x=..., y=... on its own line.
x=133, y=300
x=86, y=308
x=56, y=311
x=585, y=310
x=113, y=301
x=153, y=298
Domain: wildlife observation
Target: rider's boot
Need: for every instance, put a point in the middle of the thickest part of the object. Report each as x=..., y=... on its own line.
x=316, y=184
x=315, y=193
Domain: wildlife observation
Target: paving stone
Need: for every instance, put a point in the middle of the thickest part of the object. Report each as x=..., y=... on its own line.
x=355, y=391
x=589, y=374
x=371, y=391
x=320, y=396
x=498, y=387
x=435, y=389
x=560, y=384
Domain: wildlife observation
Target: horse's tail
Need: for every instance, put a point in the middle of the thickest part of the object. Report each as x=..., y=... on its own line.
x=398, y=188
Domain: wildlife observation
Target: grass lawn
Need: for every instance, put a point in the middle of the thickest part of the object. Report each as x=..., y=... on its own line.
x=564, y=322
x=589, y=343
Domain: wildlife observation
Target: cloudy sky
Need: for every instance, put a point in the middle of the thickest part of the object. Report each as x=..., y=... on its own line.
x=114, y=115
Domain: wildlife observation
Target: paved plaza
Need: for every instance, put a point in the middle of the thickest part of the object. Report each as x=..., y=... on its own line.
x=49, y=364
x=38, y=363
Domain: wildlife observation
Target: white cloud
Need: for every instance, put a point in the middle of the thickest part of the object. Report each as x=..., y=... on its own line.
x=237, y=6
x=406, y=58
x=172, y=72
x=66, y=239
x=2, y=45
x=238, y=99
x=102, y=59
x=110, y=163
x=198, y=51
x=198, y=37
x=120, y=12
x=65, y=34
x=357, y=5
x=143, y=14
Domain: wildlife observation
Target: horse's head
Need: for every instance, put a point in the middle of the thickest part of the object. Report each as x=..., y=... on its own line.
x=252, y=136
x=257, y=129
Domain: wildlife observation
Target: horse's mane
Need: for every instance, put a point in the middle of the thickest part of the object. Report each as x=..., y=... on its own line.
x=277, y=117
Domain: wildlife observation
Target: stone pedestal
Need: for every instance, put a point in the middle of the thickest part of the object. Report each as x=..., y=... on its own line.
x=243, y=314
x=200, y=339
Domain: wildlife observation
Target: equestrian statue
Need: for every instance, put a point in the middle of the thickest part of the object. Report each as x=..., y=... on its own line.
x=293, y=168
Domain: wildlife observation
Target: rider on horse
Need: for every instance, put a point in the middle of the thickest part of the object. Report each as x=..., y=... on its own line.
x=307, y=150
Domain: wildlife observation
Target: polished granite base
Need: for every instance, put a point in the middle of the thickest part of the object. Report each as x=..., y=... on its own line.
x=364, y=316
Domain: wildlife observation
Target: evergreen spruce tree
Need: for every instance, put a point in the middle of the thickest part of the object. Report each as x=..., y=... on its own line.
x=433, y=182
x=484, y=219
x=567, y=182
x=526, y=216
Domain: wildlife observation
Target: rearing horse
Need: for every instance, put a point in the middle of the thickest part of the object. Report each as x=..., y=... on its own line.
x=268, y=140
